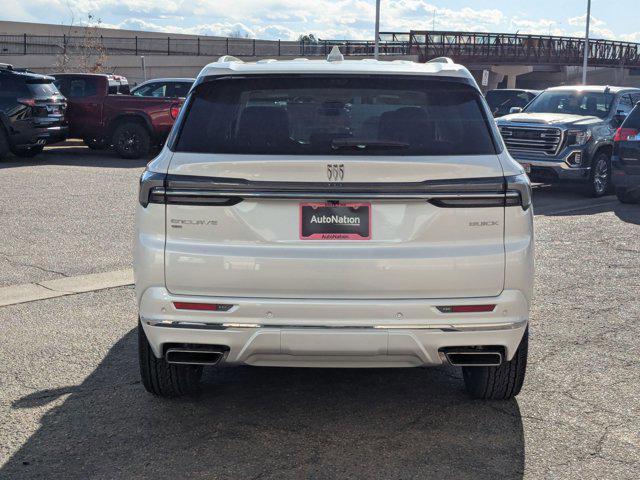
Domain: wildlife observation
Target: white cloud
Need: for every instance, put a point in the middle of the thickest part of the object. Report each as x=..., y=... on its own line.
x=286, y=19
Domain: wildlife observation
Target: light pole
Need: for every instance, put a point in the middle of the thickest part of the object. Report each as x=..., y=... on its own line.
x=586, y=45
x=376, y=48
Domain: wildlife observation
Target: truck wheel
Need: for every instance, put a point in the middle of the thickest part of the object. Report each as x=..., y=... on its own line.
x=502, y=382
x=163, y=379
x=600, y=178
x=4, y=144
x=626, y=196
x=131, y=140
x=27, y=152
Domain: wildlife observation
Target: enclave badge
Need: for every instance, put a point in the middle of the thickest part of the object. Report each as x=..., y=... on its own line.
x=335, y=172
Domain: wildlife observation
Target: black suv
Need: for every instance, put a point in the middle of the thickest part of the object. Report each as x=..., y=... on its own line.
x=501, y=101
x=31, y=112
x=566, y=134
x=625, y=162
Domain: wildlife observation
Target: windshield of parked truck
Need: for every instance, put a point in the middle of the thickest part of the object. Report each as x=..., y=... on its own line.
x=336, y=115
x=573, y=102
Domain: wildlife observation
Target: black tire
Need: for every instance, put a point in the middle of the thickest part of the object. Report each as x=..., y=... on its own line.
x=600, y=177
x=502, y=382
x=626, y=196
x=27, y=152
x=4, y=143
x=131, y=140
x=95, y=143
x=162, y=379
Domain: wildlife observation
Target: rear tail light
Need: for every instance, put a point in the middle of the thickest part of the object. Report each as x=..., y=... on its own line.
x=30, y=102
x=627, y=135
x=174, y=111
x=207, y=307
x=466, y=308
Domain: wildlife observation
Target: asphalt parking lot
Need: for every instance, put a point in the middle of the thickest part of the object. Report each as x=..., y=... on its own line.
x=72, y=406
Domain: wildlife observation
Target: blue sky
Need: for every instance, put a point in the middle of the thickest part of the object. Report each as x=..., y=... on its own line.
x=286, y=19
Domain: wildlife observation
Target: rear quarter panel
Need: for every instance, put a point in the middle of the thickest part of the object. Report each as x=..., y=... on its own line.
x=155, y=111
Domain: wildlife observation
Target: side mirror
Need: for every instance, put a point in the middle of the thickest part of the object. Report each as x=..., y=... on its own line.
x=618, y=119
x=515, y=110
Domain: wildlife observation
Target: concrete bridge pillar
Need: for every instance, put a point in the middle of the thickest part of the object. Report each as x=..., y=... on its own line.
x=511, y=72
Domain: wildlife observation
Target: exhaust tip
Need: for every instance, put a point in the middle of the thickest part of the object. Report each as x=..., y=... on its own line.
x=471, y=358
x=190, y=356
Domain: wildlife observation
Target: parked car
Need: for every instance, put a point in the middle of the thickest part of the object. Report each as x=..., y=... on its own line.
x=103, y=115
x=501, y=101
x=164, y=87
x=31, y=112
x=625, y=162
x=566, y=134
x=334, y=214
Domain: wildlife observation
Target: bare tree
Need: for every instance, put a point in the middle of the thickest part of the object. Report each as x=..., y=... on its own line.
x=85, y=52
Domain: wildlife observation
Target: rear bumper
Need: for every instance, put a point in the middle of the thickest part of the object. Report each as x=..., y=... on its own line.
x=623, y=179
x=42, y=136
x=334, y=333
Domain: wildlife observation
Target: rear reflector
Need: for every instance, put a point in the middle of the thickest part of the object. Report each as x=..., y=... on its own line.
x=209, y=307
x=466, y=308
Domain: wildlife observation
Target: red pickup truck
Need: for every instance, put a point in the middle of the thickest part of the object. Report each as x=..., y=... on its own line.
x=102, y=113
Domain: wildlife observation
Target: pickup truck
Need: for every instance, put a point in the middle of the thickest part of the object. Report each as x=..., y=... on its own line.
x=102, y=113
x=566, y=134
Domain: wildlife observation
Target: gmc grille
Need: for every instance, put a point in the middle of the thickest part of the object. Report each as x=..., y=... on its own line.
x=540, y=140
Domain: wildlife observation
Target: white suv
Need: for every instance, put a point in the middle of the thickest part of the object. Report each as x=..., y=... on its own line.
x=334, y=213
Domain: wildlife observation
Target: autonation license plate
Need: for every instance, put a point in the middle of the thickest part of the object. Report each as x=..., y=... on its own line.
x=327, y=221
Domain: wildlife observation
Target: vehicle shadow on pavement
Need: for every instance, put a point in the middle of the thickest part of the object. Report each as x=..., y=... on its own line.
x=561, y=201
x=76, y=156
x=271, y=423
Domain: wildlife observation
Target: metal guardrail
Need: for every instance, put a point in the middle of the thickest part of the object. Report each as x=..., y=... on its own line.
x=464, y=47
x=200, y=46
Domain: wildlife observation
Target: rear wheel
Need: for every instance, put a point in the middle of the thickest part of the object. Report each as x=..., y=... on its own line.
x=131, y=140
x=163, y=379
x=600, y=177
x=502, y=382
x=4, y=144
x=27, y=152
x=627, y=197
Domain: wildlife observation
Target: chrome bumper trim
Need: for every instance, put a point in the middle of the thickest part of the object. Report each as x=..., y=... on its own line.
x=462, y=327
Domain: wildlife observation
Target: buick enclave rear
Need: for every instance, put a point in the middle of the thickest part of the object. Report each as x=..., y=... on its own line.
x=334, y=214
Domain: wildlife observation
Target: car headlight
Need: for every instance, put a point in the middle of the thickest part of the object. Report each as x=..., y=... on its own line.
x=577, y=138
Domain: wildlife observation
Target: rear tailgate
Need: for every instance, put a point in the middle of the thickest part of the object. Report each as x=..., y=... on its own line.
x=254, y=248
x=235, y=220
x=627, y=145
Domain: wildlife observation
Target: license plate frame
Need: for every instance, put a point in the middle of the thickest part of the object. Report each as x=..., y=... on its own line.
x=325, y=229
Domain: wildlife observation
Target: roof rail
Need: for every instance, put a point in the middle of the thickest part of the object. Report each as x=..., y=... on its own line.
x=6, y=66
x=229, y=58
x=440, y=60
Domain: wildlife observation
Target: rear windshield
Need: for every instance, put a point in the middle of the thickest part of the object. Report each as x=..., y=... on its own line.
x=633, y=120
x=39, y=90
x=117, y=88
x=335, y=115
